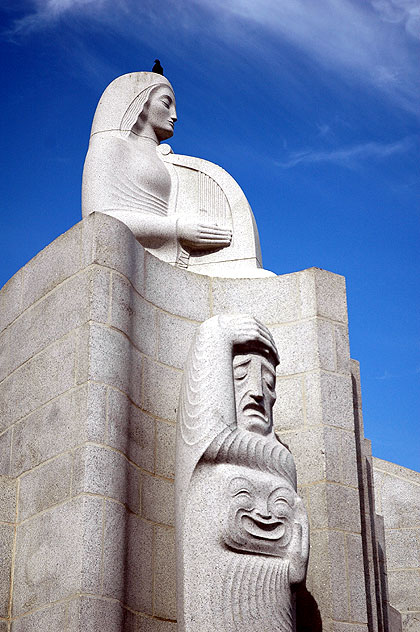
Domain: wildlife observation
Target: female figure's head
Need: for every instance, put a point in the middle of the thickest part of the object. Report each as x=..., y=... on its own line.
x=152, y=114
x=139, y=102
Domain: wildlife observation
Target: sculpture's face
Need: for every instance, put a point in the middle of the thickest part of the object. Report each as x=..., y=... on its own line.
x=254, y=380
x=260, y=513
x=161, y=112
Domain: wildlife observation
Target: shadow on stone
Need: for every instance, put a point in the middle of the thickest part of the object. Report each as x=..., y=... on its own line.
x=308, y=617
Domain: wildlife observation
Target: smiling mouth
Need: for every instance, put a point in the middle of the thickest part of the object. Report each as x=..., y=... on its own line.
x=263, y=529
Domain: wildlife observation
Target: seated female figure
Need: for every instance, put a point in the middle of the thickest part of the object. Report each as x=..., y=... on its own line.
x=123, y=174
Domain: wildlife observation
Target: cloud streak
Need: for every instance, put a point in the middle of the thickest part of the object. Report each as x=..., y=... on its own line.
x=355, y=39
x=369, y=42
x=347, y=156
x=46, y=12
x=406, y=12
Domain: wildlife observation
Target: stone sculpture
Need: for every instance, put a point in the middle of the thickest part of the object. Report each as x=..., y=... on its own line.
x=242, y=530
x=183, y=208
x=123, y=174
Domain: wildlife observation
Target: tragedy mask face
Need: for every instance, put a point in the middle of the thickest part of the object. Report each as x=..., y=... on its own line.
x=254, y=382
x=260, y=515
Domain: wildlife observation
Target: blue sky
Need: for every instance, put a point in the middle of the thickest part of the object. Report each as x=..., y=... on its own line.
x=312, y=106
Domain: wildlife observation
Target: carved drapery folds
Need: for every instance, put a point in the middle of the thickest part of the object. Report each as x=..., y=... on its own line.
x=242, y=530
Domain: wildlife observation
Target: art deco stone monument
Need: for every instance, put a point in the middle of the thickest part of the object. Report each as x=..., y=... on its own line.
x=149, y=330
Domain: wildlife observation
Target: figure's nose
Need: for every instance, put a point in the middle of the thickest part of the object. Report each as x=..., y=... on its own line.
x=173, y=115
x=256, y=384
x=262, y=510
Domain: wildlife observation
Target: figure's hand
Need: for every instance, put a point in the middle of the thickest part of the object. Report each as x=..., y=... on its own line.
x=242, y=329
x=298, y=549
x=195, y=236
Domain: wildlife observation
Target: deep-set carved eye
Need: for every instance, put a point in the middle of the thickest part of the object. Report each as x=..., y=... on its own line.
x=269, y=380
x=242, y=492
x=240, y=372
x=282, y=500
x=280, y=503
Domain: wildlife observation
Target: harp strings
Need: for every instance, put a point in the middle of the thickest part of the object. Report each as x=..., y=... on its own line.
x=213, y=207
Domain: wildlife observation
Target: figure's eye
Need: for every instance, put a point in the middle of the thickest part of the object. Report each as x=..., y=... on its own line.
x=240, y=372
x=280, y=504
x=282, y=501
x=166, y=102
x=243, y=493
x=269, y=380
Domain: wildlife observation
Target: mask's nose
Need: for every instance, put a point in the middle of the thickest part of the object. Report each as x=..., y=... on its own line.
x=262, y=511
x=255, y=383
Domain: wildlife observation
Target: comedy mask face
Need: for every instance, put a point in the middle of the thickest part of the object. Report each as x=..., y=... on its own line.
x=254, y=382
x=260, y=512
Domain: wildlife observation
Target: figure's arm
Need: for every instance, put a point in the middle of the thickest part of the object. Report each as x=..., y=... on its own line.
x=240, y=330
x=151, y=231
x=298, y=552
x=105, y=158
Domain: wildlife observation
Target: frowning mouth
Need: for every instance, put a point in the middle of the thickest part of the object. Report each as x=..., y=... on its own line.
x=255, y=409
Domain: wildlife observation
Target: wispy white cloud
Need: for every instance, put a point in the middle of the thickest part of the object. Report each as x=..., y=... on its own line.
x=47, y=12
x=406, y=12
x=347, y=156
x=386, y=375
x=355, y=39
x=360, y=41
x=323, y=129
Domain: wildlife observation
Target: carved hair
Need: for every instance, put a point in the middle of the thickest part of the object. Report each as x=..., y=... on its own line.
x=136, y=107
x=241, y=447
x=123, y=101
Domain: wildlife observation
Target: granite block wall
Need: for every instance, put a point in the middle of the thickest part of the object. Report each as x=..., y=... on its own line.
x=87, y=413
x=397, y=496
x=378, y=608
x=95, y=333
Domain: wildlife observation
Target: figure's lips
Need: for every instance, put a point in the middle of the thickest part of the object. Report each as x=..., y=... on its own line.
x=264, y=529
x=255, y=409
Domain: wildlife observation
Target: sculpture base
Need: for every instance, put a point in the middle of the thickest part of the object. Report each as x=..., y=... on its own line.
x=95, y=336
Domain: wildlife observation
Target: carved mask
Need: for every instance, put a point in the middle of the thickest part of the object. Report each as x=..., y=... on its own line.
x=254, y=382
x=260, y=512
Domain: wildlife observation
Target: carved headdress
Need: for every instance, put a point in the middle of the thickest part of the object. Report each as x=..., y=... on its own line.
x=123, y=100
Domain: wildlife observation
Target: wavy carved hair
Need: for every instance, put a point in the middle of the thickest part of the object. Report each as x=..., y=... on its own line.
x=136, y=107
x=241, y=447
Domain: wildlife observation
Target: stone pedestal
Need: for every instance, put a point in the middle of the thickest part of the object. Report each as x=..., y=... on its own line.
x=95, y=333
